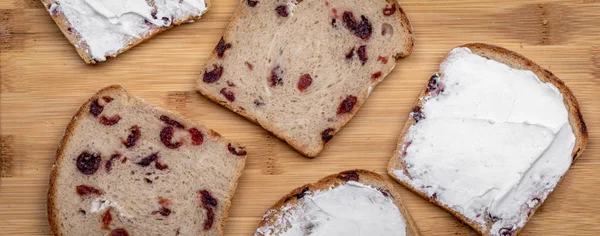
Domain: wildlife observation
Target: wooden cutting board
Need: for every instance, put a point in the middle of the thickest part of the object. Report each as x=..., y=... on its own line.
x=43, y=82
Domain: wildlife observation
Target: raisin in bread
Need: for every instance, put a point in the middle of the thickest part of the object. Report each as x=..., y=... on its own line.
x=125, y=167
x=106, y=28
x=302, y=69
x=355, y=202
x=489, y=138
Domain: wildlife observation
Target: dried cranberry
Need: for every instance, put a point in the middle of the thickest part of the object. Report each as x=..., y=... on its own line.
x=349, y=20
x=96, y=108
x=119, y=232
x=249, y=65
x=213, y=75
x=147, y=160
x=197, y=137
x=230, y=84
x=106, y=219
x=159, y=165
x=107, y=99
x=275, y=78
x=259, y=103
x=417, y=114
x=210, y=218
x=84, y=190
x=282, y=10
x=347, y=105
x=376, y=75
x=389, y=11
x=251, y=3
x=384, y=192
x=434, y=86
x=362, y=54
x=133, y=137
x=208, y=199
x=302, y=193
x=235, y=151
x=364, y=29
x=304, y=82
x=109, y=163
x=88, y=163
x=110, y=121
x=350, y=54
x=222, y=47
x=506, y=231
x=349, y=176
x=208, y=202
x=228, y=94
x=327, y=134
x=163, y=211
x=171, y=122
x=383, y=60
x=165, y=137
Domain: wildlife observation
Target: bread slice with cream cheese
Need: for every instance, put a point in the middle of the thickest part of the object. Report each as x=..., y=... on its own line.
x=354, y=202
x=489, y=138
x=100, y=29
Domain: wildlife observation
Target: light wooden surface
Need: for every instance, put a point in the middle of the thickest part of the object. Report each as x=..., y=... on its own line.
x=43, y=82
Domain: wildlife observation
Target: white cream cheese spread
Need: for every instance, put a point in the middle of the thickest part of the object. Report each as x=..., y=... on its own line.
x=351, y=209
x=107, y=26
x=492, y=145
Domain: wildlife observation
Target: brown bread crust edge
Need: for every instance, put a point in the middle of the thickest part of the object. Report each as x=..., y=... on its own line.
x=365, y=177
x=239, y=12
x=52, y=212
x=517, y=61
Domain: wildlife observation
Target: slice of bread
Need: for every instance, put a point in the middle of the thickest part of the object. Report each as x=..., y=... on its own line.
x=354, y=202
x=489, y=138
x=125, y=167
x=302, y=69
x=102, y=29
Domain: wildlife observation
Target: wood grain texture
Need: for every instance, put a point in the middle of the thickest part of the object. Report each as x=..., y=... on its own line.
x=43, y=82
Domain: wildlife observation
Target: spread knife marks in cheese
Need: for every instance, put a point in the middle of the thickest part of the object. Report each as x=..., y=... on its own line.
x=351, y=209
x=492, y=145
x=107, y=26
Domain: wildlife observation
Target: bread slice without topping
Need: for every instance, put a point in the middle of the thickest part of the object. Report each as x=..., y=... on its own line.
x=526, y=157
x=125, y=167
x=102, y=29
x=354, y=202
x=302, y=69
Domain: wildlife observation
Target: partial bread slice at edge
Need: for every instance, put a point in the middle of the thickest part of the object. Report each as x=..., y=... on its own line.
x=513, y=60
x=209, y=134
x=362, y=176
x=74, y=38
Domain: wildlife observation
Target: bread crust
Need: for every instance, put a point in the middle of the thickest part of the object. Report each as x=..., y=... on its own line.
x=74, y=38
x=361, y=98
x=364, y=176
x=52, y=212
x=513, y=60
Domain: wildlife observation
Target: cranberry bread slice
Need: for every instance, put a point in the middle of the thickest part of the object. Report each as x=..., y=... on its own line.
x=302, y=69
x=489, y=138
x=355, y=202
x=125, y=167
x=100, y=29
